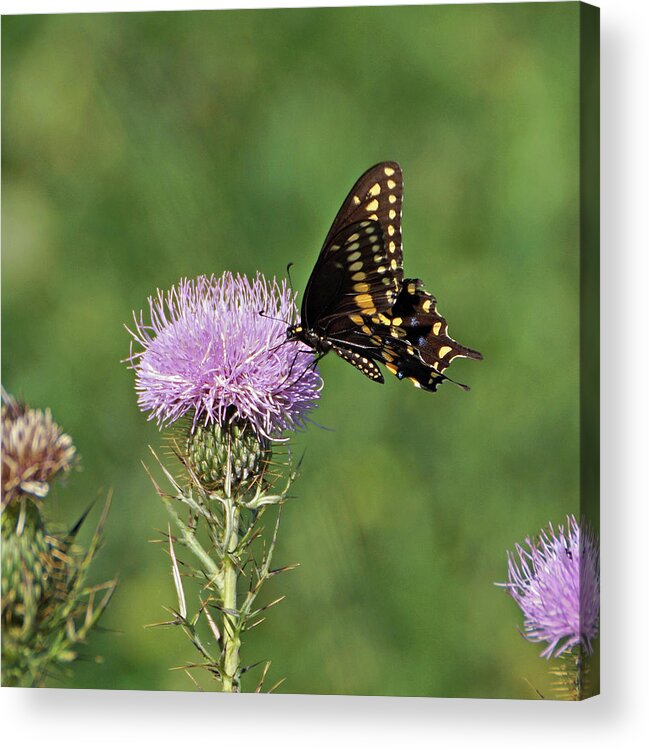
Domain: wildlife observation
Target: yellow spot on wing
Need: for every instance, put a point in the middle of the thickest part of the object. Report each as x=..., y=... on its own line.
x=375, y=189
x=356, y=200
x=444, y=350
x=436, y=328
x=353, y=237
x=364, y=301
x=361, y=287
x=372, y=205
x=388, y=171
x=392, y=184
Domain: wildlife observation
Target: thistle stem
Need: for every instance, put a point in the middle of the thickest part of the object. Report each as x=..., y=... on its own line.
x=231, y=639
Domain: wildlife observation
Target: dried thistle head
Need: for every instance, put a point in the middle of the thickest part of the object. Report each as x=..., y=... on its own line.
x=34, y=450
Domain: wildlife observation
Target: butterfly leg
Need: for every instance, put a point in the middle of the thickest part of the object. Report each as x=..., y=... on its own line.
x=311, y=365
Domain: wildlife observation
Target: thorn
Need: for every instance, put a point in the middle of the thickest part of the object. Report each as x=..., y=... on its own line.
x=191, y=677
x=260, y=684
x=243, y=670
x=182, y=605
x=283, y=569
x=277, y=684
x=210, y=621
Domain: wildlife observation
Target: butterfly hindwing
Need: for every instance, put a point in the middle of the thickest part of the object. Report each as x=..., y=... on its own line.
x=378, y=341
x=361, y=362
x=415, y=315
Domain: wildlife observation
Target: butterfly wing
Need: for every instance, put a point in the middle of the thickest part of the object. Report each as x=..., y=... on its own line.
x=357, y=300
x=359, y=270
x=415, y=342
x=411, y=339
x=416, y=317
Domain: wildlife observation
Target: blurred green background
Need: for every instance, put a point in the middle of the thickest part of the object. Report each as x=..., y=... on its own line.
x=139, y=148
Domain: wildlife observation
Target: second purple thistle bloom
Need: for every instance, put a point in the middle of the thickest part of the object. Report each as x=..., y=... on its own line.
x=555, y=582
x=205, y=351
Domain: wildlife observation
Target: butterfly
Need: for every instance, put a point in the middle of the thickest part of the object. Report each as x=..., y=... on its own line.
x=357, y=303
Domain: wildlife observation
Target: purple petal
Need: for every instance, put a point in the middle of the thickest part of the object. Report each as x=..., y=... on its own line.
x=206, y=350
x=555, y=582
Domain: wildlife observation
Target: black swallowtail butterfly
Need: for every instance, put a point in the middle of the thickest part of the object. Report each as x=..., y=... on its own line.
x=357, y=302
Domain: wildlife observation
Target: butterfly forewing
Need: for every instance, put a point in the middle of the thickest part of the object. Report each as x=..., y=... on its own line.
x=359, y=268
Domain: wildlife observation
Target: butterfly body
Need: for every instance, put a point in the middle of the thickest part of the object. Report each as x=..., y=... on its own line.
x=357, y=303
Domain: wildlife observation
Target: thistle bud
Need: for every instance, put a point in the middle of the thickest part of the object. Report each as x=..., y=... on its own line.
x=34, y=572
x=232, y=452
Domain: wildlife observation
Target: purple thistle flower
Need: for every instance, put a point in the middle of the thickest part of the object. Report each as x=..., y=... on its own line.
x=555, y=582
x=208, y=352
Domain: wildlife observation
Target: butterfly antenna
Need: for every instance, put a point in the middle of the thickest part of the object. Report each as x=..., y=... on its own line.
x=270, y=317
x=288, y=273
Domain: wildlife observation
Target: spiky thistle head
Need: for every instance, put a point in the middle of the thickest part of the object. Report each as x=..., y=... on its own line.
x=34, y=450
x=205, y=351
x=35, y=568
x=554, y=579
x=213, y=360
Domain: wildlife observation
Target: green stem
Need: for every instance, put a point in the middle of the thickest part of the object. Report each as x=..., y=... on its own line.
x=194, y=545
x=231, y=639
